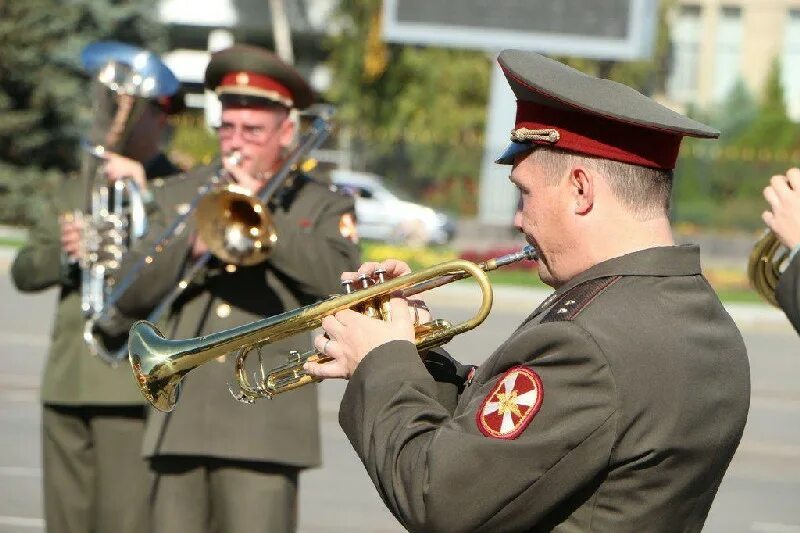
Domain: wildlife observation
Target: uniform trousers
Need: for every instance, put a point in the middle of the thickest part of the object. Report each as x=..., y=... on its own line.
x=206, y=494
x=95, y=480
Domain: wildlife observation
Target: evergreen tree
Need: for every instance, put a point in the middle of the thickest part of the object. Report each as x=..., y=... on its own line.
x=736, y=114
x=771, y=129
x=43, y=103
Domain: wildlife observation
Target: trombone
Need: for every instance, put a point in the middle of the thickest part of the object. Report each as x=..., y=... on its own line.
x=159, y=364
x=235, y=225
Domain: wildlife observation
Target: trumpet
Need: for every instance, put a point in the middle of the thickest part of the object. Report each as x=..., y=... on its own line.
x=767, y=260
x=159, y=364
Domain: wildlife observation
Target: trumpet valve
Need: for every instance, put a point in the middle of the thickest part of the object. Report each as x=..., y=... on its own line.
x=380, y=274
x=347, y=285
x=294, y=356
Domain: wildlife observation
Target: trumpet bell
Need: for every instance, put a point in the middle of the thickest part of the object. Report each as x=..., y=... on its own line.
x=235, y=226
x=155, y=373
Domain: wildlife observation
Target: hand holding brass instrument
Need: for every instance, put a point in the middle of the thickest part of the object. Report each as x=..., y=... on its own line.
x=159, y=364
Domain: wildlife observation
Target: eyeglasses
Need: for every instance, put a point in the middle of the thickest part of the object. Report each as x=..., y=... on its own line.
x=249, y=133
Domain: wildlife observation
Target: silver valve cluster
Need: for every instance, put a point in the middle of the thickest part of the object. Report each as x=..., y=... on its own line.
x=364, y=281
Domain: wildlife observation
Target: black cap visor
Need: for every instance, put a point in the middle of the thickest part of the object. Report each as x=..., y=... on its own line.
x=514, y=149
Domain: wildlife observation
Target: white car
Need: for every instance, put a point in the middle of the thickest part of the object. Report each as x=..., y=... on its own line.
x=382, y=216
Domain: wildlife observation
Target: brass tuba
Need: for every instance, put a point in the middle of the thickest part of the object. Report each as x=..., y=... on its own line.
x=159, y=364
x=767, y=261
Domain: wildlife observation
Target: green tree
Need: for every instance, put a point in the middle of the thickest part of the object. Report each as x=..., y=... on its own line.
x=771, y=128
x=735, y=114
x=43, y=104
x=417, y=113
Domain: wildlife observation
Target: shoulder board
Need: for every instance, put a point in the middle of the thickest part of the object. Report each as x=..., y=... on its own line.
x=571, y=303
x=200, y=174
x=286, y=195
x=329, y=185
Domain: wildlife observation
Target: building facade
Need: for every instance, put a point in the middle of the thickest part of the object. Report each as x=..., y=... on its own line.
x=717, y=42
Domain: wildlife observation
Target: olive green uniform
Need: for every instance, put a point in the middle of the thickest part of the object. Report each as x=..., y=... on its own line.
x=93, y=415
x=220, y=463
x=788, y=292
x=643, y=399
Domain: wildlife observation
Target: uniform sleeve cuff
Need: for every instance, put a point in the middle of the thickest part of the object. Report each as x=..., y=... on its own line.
x=393, y=361
x=793, y=253
x=376, y=381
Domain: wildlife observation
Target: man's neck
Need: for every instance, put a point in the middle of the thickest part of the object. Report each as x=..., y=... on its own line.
x=632, y=237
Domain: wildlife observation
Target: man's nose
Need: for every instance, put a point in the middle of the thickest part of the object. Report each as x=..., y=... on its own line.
x=233, y=143
x=518, y=219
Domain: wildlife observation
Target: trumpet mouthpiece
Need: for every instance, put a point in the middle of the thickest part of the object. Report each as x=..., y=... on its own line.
x=234, y=158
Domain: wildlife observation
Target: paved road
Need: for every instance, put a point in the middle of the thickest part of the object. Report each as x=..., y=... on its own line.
x=760, y=494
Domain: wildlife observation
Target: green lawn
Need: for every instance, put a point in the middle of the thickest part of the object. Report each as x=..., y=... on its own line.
x=11, y=242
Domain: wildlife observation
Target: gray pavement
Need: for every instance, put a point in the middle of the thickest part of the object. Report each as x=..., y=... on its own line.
x=760, y=493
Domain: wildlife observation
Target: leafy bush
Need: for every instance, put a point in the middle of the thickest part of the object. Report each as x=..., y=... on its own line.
x=192, y=142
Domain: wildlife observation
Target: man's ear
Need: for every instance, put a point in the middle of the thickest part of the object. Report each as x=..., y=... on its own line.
x=287, y=131
x=582, y=188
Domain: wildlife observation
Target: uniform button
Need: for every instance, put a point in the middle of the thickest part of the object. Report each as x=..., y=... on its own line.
x=223, y=310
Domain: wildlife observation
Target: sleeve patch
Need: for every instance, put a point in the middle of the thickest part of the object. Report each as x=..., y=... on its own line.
x=511, y=405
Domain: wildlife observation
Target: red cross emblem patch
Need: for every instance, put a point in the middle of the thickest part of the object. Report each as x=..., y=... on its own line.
x=511, y=405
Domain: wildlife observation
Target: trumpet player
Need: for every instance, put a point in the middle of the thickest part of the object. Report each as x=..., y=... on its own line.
x=619, y=402
x=217, y=464
x=783, y=218
x=94, y=477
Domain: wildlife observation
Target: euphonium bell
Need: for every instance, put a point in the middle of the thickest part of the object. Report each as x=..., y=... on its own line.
x=159, y=364
x=766, y=264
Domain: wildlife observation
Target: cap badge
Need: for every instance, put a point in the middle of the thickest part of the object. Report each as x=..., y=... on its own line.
x=242, y=78
x=511, y=405
x=527, y=135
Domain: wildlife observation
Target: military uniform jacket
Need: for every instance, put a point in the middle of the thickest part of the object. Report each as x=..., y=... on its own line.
x=72, y=376
x=788, y=292
x=642, y=396
x=304, y=266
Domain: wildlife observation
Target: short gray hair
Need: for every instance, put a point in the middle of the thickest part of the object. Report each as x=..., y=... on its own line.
x=644, y=191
